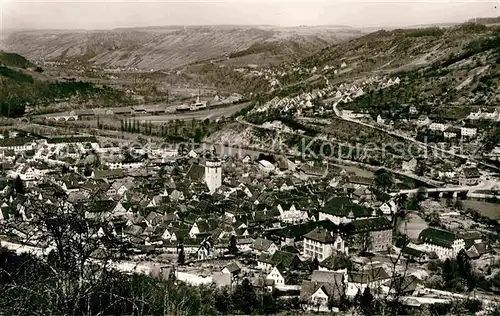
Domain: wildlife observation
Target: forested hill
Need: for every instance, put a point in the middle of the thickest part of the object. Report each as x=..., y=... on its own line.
x=20, y=88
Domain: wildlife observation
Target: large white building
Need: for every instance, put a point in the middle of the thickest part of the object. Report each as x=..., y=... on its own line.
x=213, y=175
x=468, y=131
x=442, y=242
x=18, y=144
x=321, y=243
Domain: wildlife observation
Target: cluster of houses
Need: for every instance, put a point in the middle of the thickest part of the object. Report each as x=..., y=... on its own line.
x=311, y=101
x=302, y=225
x=447, y=131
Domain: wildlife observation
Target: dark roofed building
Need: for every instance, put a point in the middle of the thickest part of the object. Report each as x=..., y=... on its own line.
x=369, y=276
x=292, y=233
x=17, y=143
x=73, y=139
x=371, y=234
x=442, y=242
x=342, y=210
x=196, y=173
x=323, y=287
x=321, y=243
x=414, y=254
x=469, y=177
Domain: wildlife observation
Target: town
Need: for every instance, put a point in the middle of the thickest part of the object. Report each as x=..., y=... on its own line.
x=238, y=170
x=320, y=231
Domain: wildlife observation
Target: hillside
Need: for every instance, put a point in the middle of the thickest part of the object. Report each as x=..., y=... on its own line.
x=456, y=65
x=171, y=47
x=14, y=60
x=20, y=89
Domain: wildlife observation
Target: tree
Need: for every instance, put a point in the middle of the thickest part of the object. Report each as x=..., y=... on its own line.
x=233, y=247
x=19, y=185
x=198, y=134
x=383, y=180
x=64, y=169
x=71, y=273
x=315, y=264
x=421, y=168
x=223, y=300
x=244, y=297
x=181, y=259
x=367, y=301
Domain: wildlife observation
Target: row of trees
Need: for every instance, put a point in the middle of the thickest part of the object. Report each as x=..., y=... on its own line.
x=175, y=129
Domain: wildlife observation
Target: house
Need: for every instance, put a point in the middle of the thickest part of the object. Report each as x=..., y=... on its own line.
x=475, y=246
x=468, y=132
x=284, y=259
x=409, y=164
x=277, y=276
x=292, y=215
x=323, y=287
x=334, y=263
x=321, y=243
x=266, y=166
x=371, y=277
x=438, y=127
x=443, y=243
x=469, y=176
x=232, y=269
x=342, y=210
x=414, y=254
x=371, y=234
x=451, y=132
x=423, y=120
x=389, y=208
x=261, y=245
x=18, y=144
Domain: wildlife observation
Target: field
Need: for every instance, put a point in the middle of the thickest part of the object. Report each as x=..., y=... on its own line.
x=490, y=210
x=414, y=225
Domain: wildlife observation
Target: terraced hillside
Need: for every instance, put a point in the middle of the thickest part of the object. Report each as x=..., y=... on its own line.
x=170, y=47
x=453, y=66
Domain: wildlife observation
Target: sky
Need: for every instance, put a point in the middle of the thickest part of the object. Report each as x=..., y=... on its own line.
x=71, y=14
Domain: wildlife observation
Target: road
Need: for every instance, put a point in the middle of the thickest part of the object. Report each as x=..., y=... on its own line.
x=485, y=185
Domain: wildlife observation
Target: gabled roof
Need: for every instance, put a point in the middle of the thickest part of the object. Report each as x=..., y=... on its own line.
x=233, y=267
x=344, y=207
x=261, y=244
x=109, y=174
x=299, y=230
x=438, y=237
x=334, y=262
x=471, y=173
x=321, y=235
x=308, y=288
x=195, y=172
x=368, y=275
x=368, y=225
x=412, y=252
x=285, y=259
x=18, y=141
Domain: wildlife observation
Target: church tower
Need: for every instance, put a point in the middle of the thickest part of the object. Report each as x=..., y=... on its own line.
x=213, y=174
